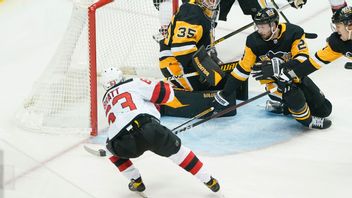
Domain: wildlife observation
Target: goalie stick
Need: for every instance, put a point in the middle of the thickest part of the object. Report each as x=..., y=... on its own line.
x=308, y=35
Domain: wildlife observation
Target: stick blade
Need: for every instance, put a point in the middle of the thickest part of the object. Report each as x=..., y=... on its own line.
x=98, y=153
x=348, y=65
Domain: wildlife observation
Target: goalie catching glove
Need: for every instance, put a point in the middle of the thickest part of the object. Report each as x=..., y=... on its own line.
x=275, y=68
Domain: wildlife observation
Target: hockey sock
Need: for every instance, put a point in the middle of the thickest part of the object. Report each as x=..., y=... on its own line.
x=303, y=116
x=126, y=167
x=187, y=160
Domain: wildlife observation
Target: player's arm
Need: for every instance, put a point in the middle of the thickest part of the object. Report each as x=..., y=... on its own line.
x=301, y=63
x=234, y=80
x=326, y=55
x=158, y=92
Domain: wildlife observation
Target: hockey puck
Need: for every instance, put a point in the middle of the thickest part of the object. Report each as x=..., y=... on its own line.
x=102, y=152
x=348, y=65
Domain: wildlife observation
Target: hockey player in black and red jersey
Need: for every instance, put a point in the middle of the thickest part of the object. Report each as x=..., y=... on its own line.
x=278, y=56
x=134, y=127
x=339, y=43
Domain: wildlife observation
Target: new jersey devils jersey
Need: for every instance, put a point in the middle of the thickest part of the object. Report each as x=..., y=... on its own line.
x=127, y=100
x=334, y=49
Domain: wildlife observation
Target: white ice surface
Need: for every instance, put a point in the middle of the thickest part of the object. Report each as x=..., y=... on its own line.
x=253, y=154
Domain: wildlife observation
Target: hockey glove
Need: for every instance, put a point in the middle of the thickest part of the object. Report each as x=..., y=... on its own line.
x=297, y=3
x=273, y=68
x=283, y=86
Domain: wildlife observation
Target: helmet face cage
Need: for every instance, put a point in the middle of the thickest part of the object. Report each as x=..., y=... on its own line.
x=266, y=16
x=343, y=15
x=210, y=4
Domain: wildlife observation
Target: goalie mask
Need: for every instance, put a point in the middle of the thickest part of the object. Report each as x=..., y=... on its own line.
x=209, y=4
x=110, y=77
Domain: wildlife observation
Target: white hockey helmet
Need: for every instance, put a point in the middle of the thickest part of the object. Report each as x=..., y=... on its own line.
x=110, y=77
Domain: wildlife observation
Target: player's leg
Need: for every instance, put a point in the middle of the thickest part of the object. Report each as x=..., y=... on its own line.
x=319, y=105
x=296, y=102
x=128, y=145
x=165, y=143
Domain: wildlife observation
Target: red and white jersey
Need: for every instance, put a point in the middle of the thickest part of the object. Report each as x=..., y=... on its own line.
x=131, y=98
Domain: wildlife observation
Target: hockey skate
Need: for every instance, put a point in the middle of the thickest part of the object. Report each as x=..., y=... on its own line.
x=274, y=107
x=213, y=185
x=319, y=123
x=136, y=185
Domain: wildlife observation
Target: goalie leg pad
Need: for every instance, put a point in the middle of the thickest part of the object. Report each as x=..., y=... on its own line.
x=206, y=67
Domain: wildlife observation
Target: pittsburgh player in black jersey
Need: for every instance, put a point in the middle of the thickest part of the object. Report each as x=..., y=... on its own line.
x=340, y=42
x=190, y=28
x=278, y=56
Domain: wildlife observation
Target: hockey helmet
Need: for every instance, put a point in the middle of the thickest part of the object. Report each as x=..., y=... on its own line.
x=110, y=77
x=343, y=15
x=266, y=16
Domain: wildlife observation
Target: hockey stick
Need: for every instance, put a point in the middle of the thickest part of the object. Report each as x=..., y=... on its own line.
x=308, y=35
x=242, y=28
x=195, y=117
x=223, y=112
x=98, y=153
x=348, y=65
x=224, y=67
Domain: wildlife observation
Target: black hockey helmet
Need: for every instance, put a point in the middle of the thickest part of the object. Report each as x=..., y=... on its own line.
x=266, y=16
x=343, y=15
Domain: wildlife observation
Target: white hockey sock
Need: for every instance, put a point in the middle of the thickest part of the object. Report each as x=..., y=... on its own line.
x=186, y=159
x=126, y=167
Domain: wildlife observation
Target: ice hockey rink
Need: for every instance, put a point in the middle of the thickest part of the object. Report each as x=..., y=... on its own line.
x=254, y=154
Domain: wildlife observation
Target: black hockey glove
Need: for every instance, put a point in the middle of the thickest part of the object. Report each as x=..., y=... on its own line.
x=283, y=86
x=273, y=68
x=297, y=3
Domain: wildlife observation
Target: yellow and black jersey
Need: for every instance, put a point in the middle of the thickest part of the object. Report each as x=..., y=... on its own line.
x=334, y=49
x=290, y=46
x=189, y=29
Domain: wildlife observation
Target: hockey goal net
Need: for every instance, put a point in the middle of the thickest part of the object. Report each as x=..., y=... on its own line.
x=66, y=97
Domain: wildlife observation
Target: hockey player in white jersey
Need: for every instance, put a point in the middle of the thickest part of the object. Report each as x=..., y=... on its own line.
x=134, y=127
